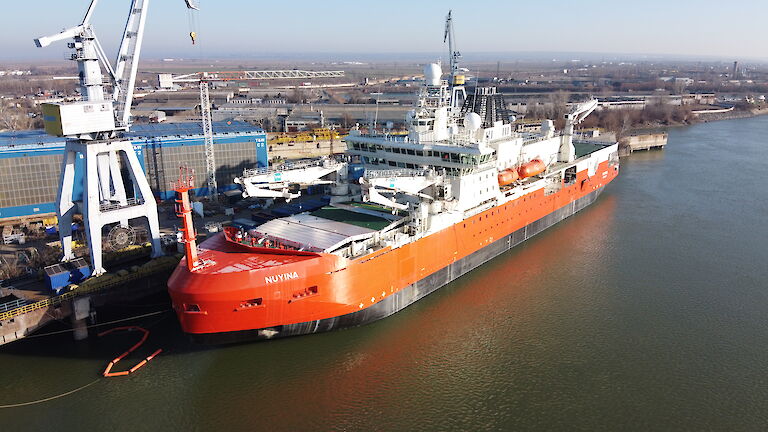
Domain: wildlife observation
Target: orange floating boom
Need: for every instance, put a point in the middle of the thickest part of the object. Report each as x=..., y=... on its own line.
x=108, y=371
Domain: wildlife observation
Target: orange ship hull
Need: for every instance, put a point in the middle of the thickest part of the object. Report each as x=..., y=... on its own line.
x=262, y=293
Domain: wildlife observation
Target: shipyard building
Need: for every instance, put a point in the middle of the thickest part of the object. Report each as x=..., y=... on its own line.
x=30, y=161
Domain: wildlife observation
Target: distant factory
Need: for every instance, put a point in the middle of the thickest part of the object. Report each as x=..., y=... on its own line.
x=30, y=161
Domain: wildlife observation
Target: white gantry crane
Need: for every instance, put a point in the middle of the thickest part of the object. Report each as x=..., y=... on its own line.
x=95, y=126
x=170, y=81
x=578, y=114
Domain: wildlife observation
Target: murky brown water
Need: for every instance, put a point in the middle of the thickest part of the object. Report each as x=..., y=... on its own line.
x=646, y=311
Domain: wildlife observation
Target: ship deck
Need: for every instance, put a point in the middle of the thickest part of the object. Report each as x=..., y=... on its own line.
x=364, y=220
x=584, y=148
x=322, y=230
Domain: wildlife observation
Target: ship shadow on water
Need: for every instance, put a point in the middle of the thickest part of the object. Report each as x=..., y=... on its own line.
x=447, y=333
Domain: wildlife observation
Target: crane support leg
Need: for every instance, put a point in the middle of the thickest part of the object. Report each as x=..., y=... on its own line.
x=99, y=210
x=65, y=207
x=117, y=183
x=91, y=207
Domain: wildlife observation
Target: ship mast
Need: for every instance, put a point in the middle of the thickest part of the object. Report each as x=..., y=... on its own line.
x=182, y=187
x=448, y=37
x=457, y=78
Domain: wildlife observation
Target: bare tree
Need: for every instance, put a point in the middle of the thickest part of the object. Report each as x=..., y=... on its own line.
x=558, y=106
x=13, y=117
x=347, y=121
x=297, y=96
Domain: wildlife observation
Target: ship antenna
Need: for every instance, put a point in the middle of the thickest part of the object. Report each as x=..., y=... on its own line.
x=453, y=54
x=185, y=182
x=474, y=98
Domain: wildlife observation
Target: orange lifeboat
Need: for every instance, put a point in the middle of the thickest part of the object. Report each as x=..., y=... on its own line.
x=508, y=176
x=530, y=169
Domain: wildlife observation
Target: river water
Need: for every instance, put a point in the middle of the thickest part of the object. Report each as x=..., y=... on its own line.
x=646, y=311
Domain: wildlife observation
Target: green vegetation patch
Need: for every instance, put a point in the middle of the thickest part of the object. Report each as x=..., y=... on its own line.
x=583, y=149
x=352, y=218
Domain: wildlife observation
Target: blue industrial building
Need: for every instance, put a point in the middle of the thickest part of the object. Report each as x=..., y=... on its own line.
x=30, y=161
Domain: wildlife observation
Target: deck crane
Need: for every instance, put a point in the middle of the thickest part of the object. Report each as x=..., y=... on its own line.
x=95, y=126
x=577, y=115
x=276, y=182
x=376, y=184
x=457, y=77
x=169, y=81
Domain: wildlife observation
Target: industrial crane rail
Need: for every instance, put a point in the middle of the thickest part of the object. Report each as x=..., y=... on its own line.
x=252, y=75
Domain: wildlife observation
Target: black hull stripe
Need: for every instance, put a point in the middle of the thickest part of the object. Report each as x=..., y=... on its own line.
x=413, y=292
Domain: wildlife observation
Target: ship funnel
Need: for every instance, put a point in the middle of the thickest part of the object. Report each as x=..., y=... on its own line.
x=432, y=74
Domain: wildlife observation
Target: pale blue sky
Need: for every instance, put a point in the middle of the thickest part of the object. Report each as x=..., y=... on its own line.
x=727, y=29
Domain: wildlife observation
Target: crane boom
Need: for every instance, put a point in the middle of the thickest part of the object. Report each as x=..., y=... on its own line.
x=122, y=76
x=127, y=62
x=453, y=54
x=577, y=115
x=210, y=158
x=168, y=81
x=97, y=123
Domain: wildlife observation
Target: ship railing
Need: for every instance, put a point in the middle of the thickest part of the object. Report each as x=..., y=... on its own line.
x=529, y=138
x=386, y=136
x=5, y=307
x=405, y=172
x=91, y=286
x=330, y=163
x=256, y=239
x=593, y=142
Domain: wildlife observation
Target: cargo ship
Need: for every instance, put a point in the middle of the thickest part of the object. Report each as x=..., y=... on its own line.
x=462, y=187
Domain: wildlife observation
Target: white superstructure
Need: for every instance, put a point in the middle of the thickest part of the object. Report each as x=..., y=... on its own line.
x=448, y=167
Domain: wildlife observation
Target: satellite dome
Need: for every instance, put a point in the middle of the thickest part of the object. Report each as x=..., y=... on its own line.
x=433, y=73
x=473, y=121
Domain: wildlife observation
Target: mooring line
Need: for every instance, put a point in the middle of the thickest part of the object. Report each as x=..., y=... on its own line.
x=98, y=325
x=16, y=405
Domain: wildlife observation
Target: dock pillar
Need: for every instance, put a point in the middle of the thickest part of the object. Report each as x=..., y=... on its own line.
x=81, y=310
